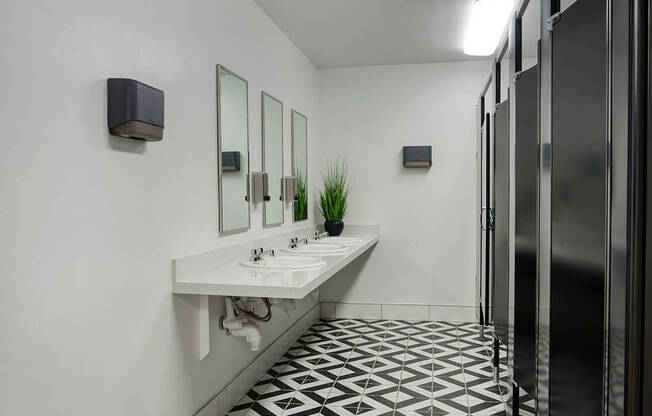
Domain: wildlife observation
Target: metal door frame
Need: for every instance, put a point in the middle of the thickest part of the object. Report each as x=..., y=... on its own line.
x=638, y=369
x=489, y=219
x=548, y=9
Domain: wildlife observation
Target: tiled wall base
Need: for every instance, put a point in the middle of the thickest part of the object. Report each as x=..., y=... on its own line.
x=227, y=398
x=401, y=312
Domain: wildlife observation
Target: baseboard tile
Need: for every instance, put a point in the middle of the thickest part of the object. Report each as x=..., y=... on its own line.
x=452, y=313
x=328, y=310
x=238, y=387
x=405, y=312
x=358, y=311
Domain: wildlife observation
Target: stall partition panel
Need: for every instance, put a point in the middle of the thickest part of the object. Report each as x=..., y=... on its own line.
x=578, y=226
x=525, y=256
x=487, y=221
x=501, y=227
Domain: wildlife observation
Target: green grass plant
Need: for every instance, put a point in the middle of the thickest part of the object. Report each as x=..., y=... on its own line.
x=333, y=198
x=301, y=204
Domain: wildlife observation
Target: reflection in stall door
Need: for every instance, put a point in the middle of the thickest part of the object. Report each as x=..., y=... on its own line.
x=578, y=223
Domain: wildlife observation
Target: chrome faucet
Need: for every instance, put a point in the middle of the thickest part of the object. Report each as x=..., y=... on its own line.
x=258, y=253
x=319, y=236
x=294, y=242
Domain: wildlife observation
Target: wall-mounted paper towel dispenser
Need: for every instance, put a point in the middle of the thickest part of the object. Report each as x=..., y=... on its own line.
x=231, y=161
x=417, y=156
x=135, y=110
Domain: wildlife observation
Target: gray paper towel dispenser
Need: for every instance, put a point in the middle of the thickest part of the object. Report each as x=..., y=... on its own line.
x=231, y=161
x=417, y=156
x=135, y=109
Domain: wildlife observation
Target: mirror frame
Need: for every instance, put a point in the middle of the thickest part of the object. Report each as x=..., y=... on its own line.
x=219, y=155
x=263, y=94
x=292, y=156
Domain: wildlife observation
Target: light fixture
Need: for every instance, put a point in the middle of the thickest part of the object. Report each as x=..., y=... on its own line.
x=487, y=23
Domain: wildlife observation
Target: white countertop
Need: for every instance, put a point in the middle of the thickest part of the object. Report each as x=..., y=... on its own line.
x=232, y=279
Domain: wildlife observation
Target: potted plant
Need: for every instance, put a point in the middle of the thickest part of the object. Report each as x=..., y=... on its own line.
x=332, y=200
x=301, y=203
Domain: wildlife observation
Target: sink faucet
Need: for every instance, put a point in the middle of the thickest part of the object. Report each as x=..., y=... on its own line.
x=258, y=253
x=319, y=236
x=294, y=242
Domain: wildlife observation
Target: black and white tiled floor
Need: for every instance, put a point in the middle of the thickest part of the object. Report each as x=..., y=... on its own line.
x=355, y=367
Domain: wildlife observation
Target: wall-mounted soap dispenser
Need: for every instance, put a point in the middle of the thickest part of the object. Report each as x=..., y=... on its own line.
x=417, y=156
x=289, y=189
x=135, y=110
x=259, y=187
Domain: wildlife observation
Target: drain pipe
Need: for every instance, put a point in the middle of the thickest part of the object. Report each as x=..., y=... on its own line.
x=252, y=334
x=240, y=326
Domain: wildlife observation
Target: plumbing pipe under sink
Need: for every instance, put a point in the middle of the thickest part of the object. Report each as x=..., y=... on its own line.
x=252, y=334
x=231, y=321
x=240, y=326
x=243, y=326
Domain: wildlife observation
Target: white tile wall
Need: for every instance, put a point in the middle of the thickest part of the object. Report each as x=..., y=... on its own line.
x=452, y=313
x=357, y=310
x=330, y=310
x=405, y=312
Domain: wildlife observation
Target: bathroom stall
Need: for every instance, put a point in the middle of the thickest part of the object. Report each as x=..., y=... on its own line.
x=493, y=259
x=574, y=130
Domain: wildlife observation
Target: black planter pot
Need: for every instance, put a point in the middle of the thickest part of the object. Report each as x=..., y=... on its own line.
x=334, y=228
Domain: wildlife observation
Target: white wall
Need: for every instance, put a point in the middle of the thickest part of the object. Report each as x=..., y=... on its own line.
x=428, y=217
x=89, y=223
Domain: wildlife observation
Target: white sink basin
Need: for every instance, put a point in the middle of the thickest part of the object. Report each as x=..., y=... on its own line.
x=317, y=250
x=285, y=263
x=344, y=241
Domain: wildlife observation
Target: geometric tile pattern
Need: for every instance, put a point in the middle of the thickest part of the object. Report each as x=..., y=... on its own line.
x=380, y=367
x=527, y=404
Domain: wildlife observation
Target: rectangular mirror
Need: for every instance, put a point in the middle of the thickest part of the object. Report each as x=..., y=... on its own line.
x=232, y=151
x=300, y=164
x=272, y=122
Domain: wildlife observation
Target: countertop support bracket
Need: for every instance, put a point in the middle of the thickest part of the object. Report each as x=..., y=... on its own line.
x=203, y=317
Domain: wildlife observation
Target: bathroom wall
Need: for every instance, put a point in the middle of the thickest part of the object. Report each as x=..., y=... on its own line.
x=90, y=222
x=426, y=254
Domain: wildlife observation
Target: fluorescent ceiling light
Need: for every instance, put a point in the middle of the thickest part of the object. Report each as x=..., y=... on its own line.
x=487, y=23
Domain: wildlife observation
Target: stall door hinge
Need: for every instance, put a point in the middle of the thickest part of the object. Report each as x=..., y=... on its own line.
x=516, y=76
x=552, y=20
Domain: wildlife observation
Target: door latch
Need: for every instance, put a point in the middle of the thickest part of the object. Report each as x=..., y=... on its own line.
x=487, y=219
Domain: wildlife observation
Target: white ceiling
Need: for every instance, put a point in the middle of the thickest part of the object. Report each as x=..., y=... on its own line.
x=338, y=33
